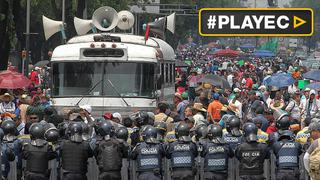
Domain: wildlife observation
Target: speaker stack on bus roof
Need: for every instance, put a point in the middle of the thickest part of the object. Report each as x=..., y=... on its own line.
x=106, y=19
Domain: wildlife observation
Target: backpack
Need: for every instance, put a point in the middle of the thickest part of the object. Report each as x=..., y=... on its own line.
x=314, y=163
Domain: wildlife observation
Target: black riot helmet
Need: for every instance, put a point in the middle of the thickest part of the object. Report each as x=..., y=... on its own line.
x=150, y=134
x=161, y=128
x=141, y=118
x=106, y=128
x=85, y=131
x=234, y=126
x=286, y=134
x=182, y=130
x=214, y=131
x=37, y=131
x=201, y=131
x=250, y=132
x=8, y=127
x=75, y=131
x=63, y=129
x=283, y=123
x=122, y=133
x=52, y=135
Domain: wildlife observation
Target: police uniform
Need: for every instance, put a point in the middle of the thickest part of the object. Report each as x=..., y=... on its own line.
x=262, y=136
x=149, y=157
x=216, y=160
x=109, y=154
x=287, y=153
x=74, y=157
x=251, y=156
x=233, y=141
x=11, y=150
x=37, y=158
x=182, y=154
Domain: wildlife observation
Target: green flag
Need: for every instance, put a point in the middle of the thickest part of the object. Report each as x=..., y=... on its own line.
x=241, y=62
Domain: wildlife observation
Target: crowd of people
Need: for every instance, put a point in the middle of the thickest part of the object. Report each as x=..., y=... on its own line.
x=243, y=118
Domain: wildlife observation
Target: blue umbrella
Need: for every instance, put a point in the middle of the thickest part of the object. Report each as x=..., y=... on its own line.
x=313, y=74
x=314, y=86
x=263, y=53
x=280, y=80
x=247, y=46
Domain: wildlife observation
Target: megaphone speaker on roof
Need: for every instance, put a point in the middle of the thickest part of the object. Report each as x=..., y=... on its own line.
x=162, y=24
x=51, y=27
x=105, y=18
x=171, y=22
x=126, y=20
x=82, y=26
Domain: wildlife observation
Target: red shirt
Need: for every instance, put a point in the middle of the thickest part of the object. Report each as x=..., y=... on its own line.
x=34, y=77
x=249, y=83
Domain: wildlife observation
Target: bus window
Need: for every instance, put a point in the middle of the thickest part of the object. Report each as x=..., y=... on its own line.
x=171, y=73
x=167, y=73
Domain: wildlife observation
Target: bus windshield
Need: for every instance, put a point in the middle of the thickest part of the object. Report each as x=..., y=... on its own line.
x=112, y=79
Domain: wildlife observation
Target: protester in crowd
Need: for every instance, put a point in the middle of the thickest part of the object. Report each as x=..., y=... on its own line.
x=7, y=105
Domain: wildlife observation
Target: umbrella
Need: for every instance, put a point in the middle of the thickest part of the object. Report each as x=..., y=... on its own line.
x=313, y=74
x=226, y=52
x=280, y=80
x=247, y=46
x=41, y=63
x=263, y=53
x=314, y=86
x=13, y=80
x=216, y=81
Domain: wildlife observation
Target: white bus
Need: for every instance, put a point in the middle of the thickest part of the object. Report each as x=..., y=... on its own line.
x=112, y=73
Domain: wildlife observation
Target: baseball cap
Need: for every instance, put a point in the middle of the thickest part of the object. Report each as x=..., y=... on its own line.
x=86, y=107
x=236, y=90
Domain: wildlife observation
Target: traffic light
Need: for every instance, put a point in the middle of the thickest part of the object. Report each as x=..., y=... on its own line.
x=24, y=54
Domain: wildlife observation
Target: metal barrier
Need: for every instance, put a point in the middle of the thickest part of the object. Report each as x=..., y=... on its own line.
x=129, y=169
x=13, y=169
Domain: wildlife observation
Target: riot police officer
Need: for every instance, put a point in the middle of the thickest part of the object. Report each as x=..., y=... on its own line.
x=182, y=154
x=37, y=154
x=75, y=153
x=11, y=147
x=251, y=154
x=109, y=152
x=215, y=153
x=149, y=154
x=161, y=129
x=232, y=134
x=282, y=123
x=200, y=134
x=287, y=152
x=140, y=120
x=122, y=133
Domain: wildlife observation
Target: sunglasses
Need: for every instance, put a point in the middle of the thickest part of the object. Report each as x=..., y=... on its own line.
x=33, y=117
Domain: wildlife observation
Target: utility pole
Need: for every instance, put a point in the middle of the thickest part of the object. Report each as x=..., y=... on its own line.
x=26, y=63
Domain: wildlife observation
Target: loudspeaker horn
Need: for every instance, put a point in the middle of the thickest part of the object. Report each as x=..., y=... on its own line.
x=51, y=27
x=171, y=22
x=158, y=26
x=126, y=20
x=82, y=26
x=105, y=16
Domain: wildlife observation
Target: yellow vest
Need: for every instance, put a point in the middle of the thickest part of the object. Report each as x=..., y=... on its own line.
x=262, y=136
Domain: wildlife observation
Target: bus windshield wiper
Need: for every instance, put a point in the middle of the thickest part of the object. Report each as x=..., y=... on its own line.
x=88, y=92
x=116, y=90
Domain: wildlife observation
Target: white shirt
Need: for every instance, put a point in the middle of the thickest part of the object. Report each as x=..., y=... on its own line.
x=229, y=79
x=198, y=119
